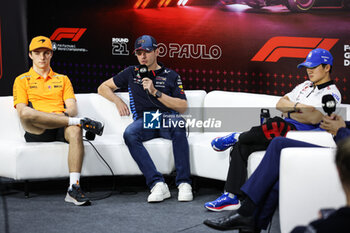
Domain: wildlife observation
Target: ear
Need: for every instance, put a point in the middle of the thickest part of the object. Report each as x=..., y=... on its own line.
x=30, y=55
x=327, y=67
x=157, y=52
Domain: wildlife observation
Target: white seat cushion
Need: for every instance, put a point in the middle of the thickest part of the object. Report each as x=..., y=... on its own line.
x=308, y=182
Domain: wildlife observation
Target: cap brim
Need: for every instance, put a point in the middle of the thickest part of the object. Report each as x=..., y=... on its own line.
x=139, y=49
x=41, y=48
x=144, y=49
x=308, y=65
x=300, y=65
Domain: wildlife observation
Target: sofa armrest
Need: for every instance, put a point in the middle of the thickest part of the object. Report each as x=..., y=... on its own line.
x=308, y=182
x=320, y=138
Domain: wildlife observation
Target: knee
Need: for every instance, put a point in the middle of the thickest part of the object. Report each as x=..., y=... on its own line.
x=280, y=142
x=27, y=114
x=130, y=136
x=180, y=129
x=179, y=132
x=73, y=133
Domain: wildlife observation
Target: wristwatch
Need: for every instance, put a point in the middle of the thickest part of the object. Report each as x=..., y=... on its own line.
x=158, y=94
x=295, y=107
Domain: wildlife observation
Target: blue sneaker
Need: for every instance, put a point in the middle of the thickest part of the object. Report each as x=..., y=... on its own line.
x=224, y=202
x=223, y=143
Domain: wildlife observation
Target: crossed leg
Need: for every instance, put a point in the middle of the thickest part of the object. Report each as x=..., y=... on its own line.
x=36, y=122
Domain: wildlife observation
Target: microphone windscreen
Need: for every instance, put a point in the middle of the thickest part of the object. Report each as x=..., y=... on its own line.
x=143, y=71
x=90, y=136
x=328, y=104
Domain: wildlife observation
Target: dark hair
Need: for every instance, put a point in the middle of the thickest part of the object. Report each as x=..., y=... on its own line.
x=342, y=160
x=330, y=69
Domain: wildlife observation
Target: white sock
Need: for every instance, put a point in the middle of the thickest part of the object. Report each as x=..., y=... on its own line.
x=231, y=195
x=74, y=178
x=74, y=120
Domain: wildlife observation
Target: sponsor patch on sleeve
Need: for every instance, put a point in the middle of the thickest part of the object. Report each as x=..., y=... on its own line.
x=336, y=97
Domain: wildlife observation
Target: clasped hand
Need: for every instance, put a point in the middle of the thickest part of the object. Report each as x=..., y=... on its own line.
x=332, y=123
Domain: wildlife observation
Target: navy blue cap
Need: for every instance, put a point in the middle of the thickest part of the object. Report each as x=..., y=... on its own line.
x=317, y=57
x=145, y=42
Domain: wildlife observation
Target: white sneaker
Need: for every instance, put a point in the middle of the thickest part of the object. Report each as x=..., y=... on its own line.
x=159, y=192
x=185, y=192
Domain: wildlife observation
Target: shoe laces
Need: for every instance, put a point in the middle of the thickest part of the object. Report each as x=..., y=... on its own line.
x=223, y=197
x=158, y=185
x=229, y=139
x=185, y=186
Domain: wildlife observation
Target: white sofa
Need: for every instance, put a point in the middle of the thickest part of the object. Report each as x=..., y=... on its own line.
x=24, y=161
x=239, y=111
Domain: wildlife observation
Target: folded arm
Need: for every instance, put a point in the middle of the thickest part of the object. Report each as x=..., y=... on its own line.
x=302, y=113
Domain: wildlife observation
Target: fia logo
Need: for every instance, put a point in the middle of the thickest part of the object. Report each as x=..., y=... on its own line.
x=152, y=119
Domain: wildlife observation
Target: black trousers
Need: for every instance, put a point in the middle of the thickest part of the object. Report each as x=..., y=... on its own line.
x=257, y=138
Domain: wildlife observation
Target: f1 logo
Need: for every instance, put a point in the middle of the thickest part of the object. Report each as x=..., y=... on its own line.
x=151, y=120
x=68, y=33
x=295, y=47
x=0, y=53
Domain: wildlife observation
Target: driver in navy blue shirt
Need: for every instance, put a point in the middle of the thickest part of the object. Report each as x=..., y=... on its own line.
x=158, y=93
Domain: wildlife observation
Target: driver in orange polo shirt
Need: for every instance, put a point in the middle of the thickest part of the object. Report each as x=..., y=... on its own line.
x=47, y=109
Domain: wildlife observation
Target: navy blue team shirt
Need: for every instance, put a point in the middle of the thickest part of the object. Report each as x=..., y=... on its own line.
x=165, y=80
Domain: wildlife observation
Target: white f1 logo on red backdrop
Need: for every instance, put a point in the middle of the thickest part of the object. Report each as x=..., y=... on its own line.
x=295, y=47
x=68, y=33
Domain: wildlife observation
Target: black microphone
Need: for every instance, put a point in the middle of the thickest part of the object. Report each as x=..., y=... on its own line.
x=328, y=104
x=143, y=72
x=90, y=136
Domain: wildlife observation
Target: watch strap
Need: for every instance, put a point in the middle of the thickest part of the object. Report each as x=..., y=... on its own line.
x=158, y=94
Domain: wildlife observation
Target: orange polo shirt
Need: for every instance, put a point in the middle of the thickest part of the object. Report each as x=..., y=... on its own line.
x=46, y=95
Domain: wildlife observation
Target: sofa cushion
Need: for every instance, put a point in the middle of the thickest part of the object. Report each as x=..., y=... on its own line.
x=11, y=128
x=205, y=161
x=308, y=182
x=238, y=111
x=49, y=160
x=321, y=138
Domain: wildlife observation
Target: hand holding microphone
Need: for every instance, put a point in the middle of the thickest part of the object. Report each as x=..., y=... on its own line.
x=332, y=122
x=328, y=104
x=147, y=83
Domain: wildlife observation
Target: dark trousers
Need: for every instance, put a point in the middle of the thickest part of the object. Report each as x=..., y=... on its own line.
x=135, y=134
x=249, y=142
x=256, y=139
x=262, y=187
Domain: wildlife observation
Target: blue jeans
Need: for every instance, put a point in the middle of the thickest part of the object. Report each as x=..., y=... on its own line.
x=135, y=134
